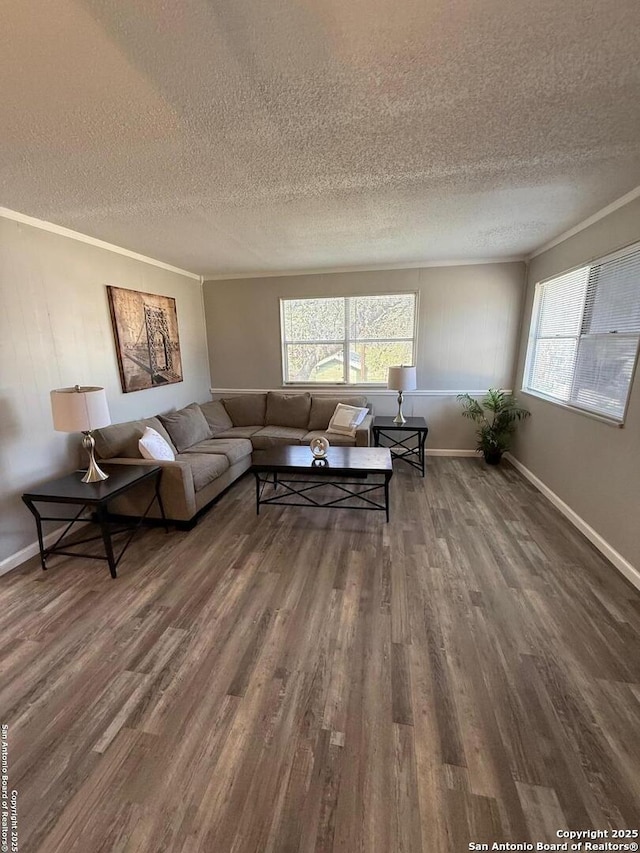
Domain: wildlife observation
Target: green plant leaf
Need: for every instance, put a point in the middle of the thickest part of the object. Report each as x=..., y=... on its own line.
x=493, y=434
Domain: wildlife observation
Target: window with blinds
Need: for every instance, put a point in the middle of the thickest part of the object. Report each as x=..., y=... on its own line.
x=585, y=331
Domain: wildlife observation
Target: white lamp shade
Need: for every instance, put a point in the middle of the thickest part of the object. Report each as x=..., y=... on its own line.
x=79, y=409
x=402, y=378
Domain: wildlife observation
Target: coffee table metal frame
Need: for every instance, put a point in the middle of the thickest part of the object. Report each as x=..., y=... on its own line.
x=94, y=496
x=413, y=454
x=272, y=469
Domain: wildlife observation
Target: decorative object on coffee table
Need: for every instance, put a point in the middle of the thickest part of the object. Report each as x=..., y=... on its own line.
x=82, y=409
x=145, y=326
x=402, y=378
x=319, y=447
x=497, y=415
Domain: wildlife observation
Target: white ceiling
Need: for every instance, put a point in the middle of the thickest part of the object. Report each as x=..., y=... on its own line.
x=254, y=136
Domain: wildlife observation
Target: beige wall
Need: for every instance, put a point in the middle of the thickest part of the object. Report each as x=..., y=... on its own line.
x=55, y=331
x=467, y=334
x=593, y=467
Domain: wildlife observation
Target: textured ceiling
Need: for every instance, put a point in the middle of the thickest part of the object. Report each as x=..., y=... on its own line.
x=253, y=136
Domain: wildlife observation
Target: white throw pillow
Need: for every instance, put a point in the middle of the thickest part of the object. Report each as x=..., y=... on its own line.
x=153, y=446
x=346, y=419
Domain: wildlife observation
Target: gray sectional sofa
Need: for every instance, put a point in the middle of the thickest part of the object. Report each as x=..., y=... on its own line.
x=213, y=443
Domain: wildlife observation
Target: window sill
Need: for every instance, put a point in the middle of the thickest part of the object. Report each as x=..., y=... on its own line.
x=576, y=409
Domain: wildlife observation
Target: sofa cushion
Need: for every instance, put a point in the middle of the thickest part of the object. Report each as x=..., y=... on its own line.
x=274, y=436
x=187, y=426
x=122, y=439
x=153, y=446
x=322, y=408
x=246, y=409
x=205, y=467
x=234, y=449
x=239, y=432
x=332, y=438
x=216, y=416
x=288, y=410
x=346, y=419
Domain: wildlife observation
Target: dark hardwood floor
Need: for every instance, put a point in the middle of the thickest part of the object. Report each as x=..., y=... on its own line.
x=309, y=680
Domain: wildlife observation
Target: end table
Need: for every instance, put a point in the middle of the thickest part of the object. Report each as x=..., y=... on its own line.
x=96, y=496
x=408, y=447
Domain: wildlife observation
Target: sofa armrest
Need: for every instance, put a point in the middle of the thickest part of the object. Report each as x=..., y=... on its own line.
x=363, y=432
x=176, y=489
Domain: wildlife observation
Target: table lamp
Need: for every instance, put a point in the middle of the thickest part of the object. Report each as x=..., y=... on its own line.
x=82, y=409
x=401, y=379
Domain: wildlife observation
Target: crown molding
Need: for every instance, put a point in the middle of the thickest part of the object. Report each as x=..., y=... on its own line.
x=6, y=213
x=596, y=217
x=417, y=265
x=42, y=224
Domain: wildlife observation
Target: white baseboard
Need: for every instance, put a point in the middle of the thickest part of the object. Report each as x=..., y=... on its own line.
x=624, y=566
x=27, y=552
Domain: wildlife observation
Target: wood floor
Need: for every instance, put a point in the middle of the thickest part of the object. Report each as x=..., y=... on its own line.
x=309, y=680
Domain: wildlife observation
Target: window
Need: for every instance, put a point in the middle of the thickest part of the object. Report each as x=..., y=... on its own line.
x=347, y=340
x=584, y=337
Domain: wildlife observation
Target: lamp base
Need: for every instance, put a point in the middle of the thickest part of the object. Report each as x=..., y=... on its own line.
x=94, y=473
x=399, y=418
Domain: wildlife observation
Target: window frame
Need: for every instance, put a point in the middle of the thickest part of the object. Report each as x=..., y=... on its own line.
x=344, y=343
x=533, y=338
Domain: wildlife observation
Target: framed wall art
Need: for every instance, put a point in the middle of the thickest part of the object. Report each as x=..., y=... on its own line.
x=145, y=327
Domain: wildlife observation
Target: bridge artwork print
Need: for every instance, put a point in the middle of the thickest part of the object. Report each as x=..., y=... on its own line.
x=145, y=327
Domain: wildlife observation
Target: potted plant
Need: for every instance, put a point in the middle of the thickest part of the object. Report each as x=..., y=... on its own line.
x=497, y=416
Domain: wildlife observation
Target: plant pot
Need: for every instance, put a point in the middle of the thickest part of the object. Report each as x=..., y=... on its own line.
x=492, y=457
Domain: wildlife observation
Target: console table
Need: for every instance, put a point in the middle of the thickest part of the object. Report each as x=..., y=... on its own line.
x=409, y=448
x=94, y=496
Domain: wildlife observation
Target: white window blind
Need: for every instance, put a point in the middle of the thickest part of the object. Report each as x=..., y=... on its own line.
x=584, y=336
x=346, y=340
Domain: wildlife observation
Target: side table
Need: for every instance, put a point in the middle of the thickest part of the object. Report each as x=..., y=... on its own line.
x=409, y=447
x=95, y=496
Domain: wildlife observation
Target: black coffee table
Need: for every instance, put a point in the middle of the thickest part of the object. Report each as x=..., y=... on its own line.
x=289, y=476
x=94, y=496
